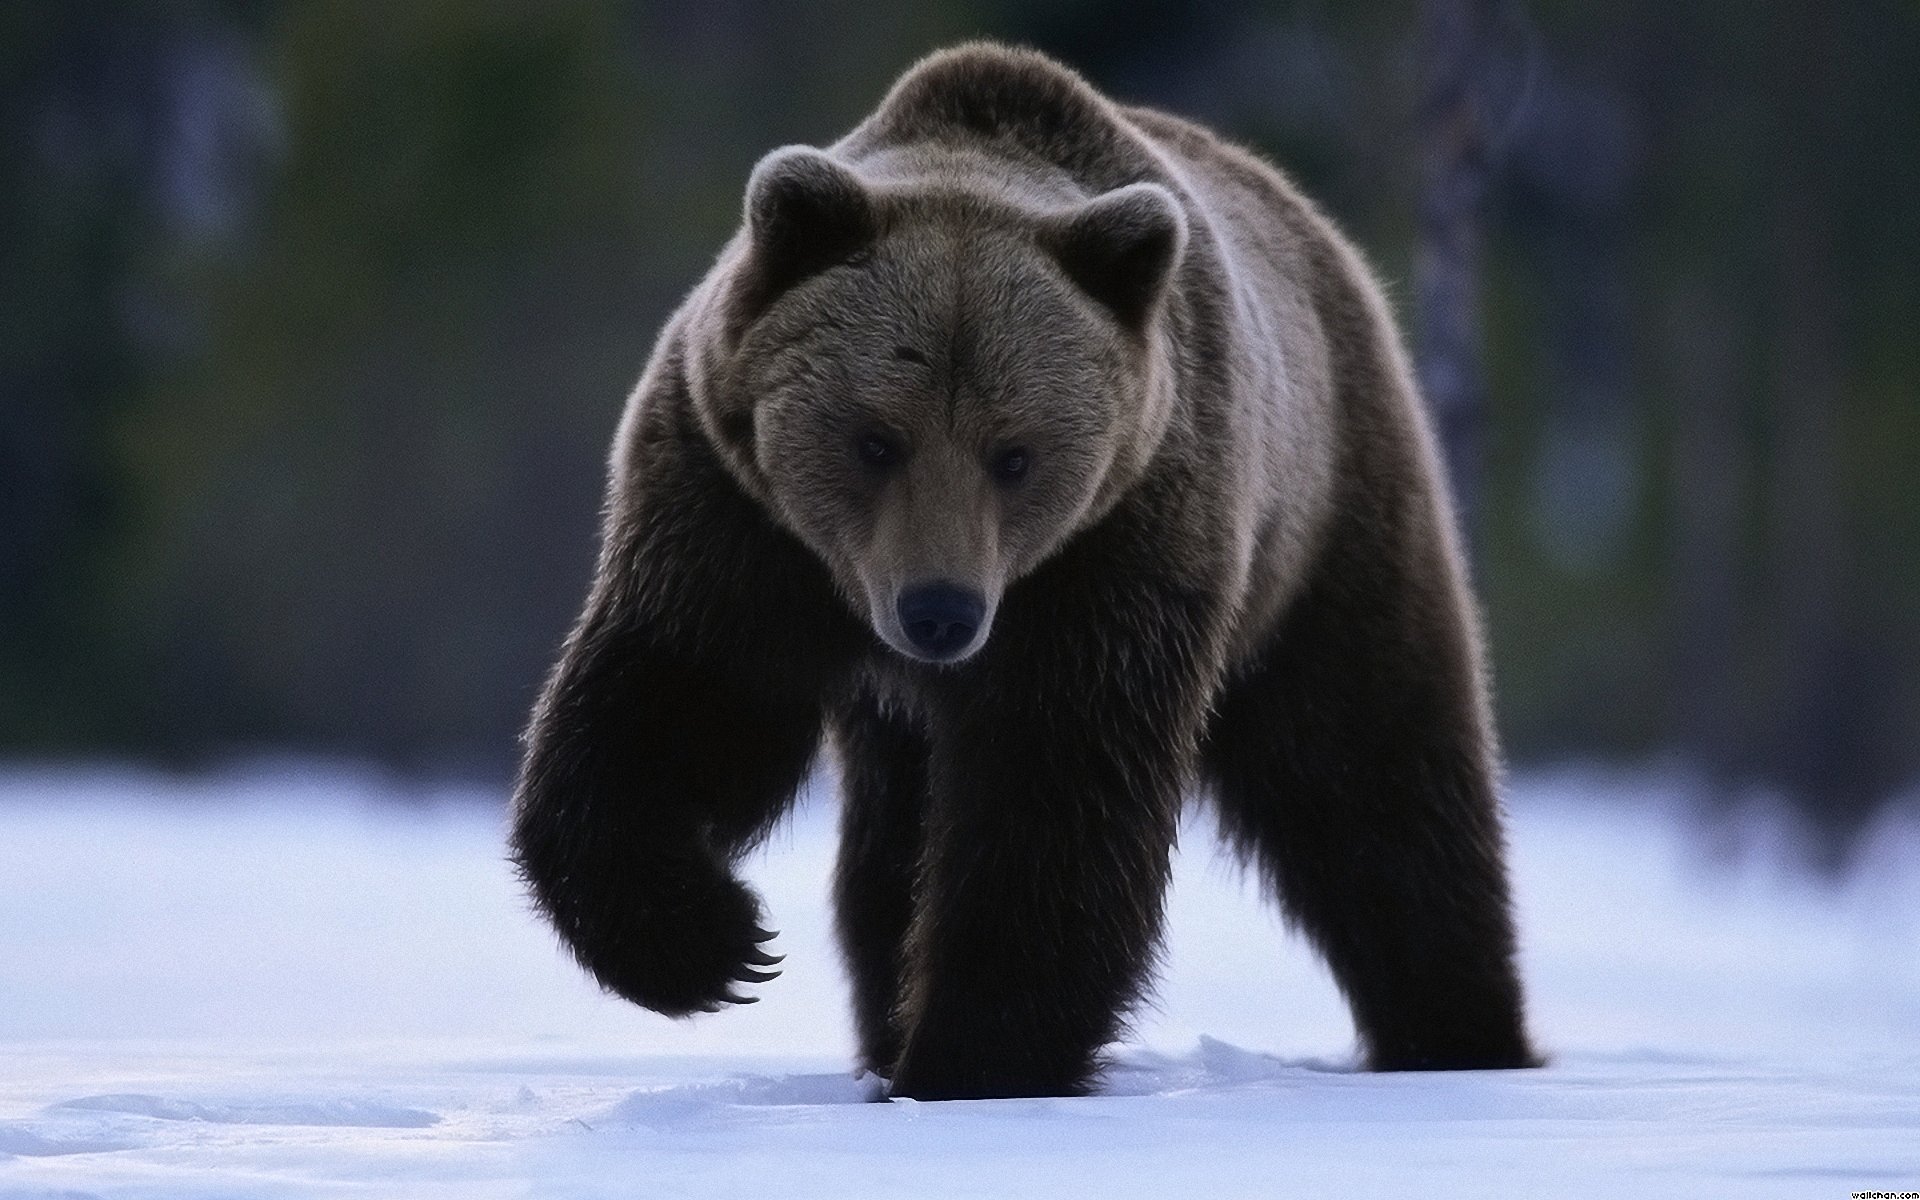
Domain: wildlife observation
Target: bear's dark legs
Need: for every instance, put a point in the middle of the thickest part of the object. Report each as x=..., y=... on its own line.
x=1040, y=914
x=1351, y=763
x=638, y=792
x=1055, y=780
x=674, y=731
x=884, y=761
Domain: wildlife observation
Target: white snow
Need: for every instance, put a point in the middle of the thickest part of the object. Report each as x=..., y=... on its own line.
x=302, y=982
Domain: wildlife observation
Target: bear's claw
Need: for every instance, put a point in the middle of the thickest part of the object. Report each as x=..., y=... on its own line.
x=730, y=998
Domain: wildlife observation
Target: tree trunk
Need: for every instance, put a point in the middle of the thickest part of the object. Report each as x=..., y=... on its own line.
x=1455, y=54
x=1829, y=750
x=1709, y=463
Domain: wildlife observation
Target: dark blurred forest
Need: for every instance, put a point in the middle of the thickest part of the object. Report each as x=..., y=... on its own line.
x=316, y=318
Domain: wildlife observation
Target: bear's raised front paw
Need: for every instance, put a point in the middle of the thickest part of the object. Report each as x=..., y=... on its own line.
x=691, y=953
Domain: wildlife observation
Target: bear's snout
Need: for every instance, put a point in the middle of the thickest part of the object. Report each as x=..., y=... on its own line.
x=941, y=620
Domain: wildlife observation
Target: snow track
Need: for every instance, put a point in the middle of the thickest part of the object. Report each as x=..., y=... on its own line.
x=300, y=983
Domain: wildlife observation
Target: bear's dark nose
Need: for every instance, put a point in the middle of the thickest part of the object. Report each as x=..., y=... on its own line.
x=940, y=619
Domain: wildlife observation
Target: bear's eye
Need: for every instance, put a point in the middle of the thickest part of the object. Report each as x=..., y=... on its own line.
x=1010, y=466
x=878, y=450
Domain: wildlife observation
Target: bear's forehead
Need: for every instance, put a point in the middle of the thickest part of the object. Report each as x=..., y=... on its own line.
x=940, y=370
x=941, y=303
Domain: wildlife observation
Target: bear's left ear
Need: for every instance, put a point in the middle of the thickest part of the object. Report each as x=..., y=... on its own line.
x=1122, y=248
x=805, y=212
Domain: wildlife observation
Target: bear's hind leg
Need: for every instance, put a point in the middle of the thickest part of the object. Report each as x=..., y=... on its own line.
x=1352, y=764
x=883, y=761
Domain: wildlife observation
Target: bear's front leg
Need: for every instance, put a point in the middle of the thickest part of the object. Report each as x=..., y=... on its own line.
x=1056, y=776
x=1353, y=760
x=675, y=730
x=884, y=781
x=646, y=772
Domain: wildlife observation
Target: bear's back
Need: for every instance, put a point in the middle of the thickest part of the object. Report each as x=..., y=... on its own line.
x=1039, y=118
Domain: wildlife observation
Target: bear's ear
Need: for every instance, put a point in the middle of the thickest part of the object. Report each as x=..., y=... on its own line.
x=1122, y=248
x=805, y=212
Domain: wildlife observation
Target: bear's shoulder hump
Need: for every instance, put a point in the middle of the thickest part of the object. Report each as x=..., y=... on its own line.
x=991, y=92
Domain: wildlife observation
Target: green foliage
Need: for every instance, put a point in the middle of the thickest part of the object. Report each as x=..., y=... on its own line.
x=326, y=474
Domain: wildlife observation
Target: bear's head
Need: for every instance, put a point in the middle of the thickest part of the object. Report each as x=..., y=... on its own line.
x=935, y=386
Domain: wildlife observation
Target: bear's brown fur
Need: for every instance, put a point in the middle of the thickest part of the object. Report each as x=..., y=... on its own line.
x=1051, y=457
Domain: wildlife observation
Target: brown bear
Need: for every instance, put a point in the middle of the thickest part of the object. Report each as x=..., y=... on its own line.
x=1050, y=458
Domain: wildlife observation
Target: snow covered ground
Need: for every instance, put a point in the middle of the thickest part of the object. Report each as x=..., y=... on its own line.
x=308, y=983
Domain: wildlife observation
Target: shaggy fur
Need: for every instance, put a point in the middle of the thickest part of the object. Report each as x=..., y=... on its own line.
x=1117, y=392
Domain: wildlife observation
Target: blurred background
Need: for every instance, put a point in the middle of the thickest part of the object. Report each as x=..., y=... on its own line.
x=316, y=319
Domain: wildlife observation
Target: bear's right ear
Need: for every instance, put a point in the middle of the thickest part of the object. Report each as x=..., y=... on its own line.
x=805, y=212
x=1122, y=248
